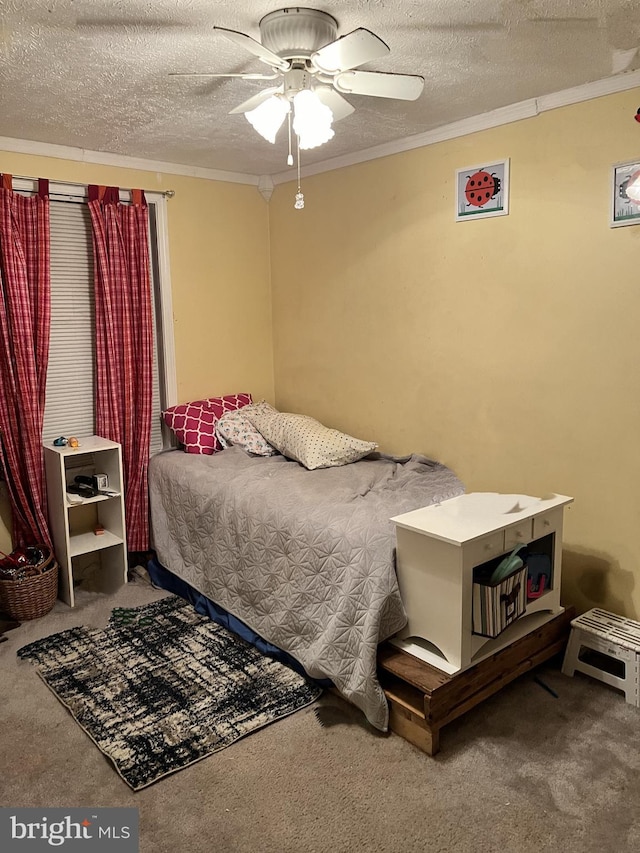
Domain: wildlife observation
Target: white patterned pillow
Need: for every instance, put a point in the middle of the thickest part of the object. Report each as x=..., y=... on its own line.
x=306, y=440
x=235, y=428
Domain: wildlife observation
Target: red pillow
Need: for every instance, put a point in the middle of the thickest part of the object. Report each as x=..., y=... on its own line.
x=194, y=424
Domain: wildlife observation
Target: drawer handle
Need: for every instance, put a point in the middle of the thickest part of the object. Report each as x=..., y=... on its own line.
x=513, y=537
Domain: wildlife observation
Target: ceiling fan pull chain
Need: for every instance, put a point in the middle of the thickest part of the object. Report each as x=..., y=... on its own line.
x=290, y=155
x=299, y=202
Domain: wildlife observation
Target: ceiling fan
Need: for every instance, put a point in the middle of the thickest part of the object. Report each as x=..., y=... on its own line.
x=313, y=69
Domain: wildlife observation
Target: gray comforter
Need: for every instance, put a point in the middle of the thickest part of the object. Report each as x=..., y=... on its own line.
x=305, y=558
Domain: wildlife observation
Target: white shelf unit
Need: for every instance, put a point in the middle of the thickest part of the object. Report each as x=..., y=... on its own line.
x=99, y=559
x=438, y=548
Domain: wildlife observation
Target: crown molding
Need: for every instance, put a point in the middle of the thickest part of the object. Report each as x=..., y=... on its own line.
x=265, y=187
x=84, y=155
x=589, y=91
x=484, y=121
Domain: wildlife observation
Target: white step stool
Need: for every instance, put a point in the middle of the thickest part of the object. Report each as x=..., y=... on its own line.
x=612, y=636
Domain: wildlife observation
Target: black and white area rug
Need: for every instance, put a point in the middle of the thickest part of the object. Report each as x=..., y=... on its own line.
x=162, y=687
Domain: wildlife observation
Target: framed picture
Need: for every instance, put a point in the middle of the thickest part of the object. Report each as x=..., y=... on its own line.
x=482, y=191
x=625, y=201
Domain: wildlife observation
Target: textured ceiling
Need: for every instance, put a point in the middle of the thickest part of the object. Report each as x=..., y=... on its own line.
x=93, y=74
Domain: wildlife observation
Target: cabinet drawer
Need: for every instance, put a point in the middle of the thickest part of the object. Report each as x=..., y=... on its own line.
x=547, y=523
x=519, y=534
x=484, y=549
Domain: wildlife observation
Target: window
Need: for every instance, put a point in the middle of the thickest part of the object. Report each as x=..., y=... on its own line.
x=69, y=408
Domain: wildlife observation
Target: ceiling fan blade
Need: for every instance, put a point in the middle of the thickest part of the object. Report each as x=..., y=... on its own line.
x=256, y=100
x=336, y=103
x=241, y=76
x=405, y=87
x=254, y=47
x=349, y=51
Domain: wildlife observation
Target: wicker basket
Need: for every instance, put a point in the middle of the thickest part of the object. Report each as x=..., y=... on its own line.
x=31, y=597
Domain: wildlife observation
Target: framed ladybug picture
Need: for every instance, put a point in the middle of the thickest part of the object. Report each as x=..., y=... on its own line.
x=625, y=202
x=482, y=190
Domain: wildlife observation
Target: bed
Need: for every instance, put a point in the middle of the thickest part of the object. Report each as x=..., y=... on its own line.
x=304, y=558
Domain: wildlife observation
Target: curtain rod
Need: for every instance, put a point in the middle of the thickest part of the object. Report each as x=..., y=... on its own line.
x=164, y=193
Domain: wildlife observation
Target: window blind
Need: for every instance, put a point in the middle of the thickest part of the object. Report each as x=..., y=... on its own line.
x=69, y=408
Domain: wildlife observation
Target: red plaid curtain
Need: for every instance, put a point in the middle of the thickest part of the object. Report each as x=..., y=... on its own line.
x=25, y=312
x=124, y=343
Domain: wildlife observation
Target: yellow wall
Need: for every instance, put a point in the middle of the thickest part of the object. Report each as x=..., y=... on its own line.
x=505, y=347
x=219, y=255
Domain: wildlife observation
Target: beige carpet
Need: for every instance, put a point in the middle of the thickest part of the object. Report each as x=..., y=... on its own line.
x=522, y=772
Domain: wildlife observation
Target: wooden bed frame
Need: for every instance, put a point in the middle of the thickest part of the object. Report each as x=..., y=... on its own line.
x=423, y=699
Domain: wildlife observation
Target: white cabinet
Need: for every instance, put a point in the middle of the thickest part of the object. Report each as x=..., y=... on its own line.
x=88, y=534
x=438, y=549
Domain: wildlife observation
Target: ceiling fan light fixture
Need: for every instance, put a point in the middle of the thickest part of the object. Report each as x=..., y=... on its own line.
x=311, y=120
x=316, y=68
x=268, y=117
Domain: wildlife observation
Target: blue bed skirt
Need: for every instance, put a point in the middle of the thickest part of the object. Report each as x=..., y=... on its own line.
x=165, y=579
